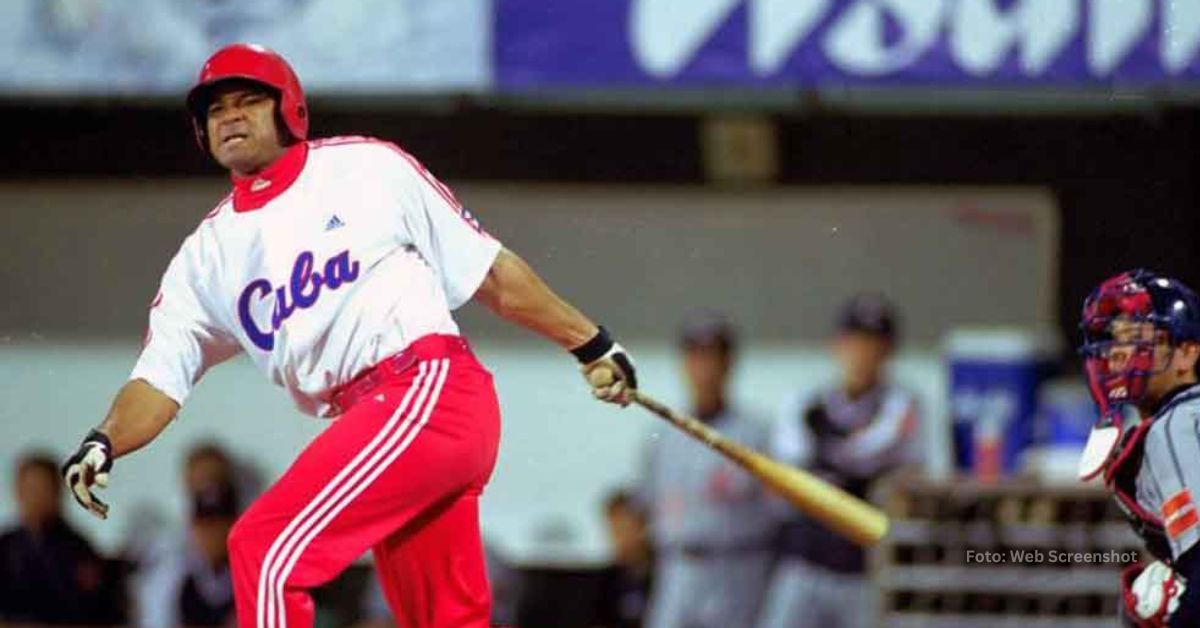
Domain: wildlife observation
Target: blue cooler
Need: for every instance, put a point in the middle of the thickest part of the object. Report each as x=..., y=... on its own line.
x=994, y=379
x=1065, y=418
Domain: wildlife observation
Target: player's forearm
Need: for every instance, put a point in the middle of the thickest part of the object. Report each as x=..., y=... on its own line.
x=138, y=414
x=516, y=293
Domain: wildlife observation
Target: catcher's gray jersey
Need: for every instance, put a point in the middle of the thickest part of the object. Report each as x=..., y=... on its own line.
x=712, y=526
x=1169, y=477
x=697, y=498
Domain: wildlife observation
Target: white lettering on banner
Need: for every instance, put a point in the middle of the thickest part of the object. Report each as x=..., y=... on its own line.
x=776, y=26
x=990, y=409
x=1181, y=33
x=856, y=42
x=666, y=35
x=982, y=37
x=1115, y=26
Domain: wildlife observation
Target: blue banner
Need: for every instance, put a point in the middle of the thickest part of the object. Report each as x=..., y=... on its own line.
x=798, y=43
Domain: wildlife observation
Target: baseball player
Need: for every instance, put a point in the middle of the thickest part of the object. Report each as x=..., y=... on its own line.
x=335, y=265
x=710, y=520
x=850, y=434
x=1141, y=343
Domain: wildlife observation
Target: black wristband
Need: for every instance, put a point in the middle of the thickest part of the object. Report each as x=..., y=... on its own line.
x=595, y=348
x=96, y=436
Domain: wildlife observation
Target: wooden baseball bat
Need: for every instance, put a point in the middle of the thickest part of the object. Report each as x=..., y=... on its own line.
x=846, y=514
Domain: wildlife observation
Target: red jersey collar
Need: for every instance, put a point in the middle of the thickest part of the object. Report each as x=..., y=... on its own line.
x=252, y=192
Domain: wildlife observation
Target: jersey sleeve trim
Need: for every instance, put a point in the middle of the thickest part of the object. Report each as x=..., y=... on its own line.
x=175, y=393
x=1179, y=514
x=1176, y=502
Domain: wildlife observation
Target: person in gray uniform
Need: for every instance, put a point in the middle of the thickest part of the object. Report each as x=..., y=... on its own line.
x=850, y=434
x=1141, y=344
x=711, y=522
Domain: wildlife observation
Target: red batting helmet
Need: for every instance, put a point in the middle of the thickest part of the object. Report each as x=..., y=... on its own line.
x=261, y=65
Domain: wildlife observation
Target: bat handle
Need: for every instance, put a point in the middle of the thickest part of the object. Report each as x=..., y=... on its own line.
x=650, y=403
x=692, y=426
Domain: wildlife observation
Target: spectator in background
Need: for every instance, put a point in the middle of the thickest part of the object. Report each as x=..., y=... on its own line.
x=208, y=463
x=185, y=580
x=49, y=574
x=851, y=434
x=206, y=589
x=711, y=521
x=151, y=533
x=626, y=585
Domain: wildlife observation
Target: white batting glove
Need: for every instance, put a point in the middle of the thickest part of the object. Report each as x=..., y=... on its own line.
x=1152, y=595
x=88, y=467
x=608, y=369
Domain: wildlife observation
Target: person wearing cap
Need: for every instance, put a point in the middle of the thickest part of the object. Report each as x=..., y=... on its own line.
x=206, y=592
x=190, y=584
x=185, y=579
x=711, y=523
x=849, y=433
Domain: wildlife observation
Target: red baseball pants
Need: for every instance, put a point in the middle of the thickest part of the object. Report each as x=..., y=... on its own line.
x=399, y=472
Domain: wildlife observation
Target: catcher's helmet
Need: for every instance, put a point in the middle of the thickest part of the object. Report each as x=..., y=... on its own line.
x=250, y=62
x=1134, y=297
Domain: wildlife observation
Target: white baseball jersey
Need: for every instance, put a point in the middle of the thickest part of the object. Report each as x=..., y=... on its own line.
x=338, y=255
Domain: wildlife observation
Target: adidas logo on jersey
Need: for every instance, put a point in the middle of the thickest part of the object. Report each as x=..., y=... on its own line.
x=334, y=223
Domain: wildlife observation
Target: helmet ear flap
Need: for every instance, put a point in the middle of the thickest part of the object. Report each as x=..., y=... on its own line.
x=289, y=116
x=197, y=110
x=286, y=136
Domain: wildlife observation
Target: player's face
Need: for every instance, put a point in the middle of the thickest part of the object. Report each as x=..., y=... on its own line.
x=206, y=470
x=1172, y=366
x=861, y=357
x=1130, y=336
x=627, y=533
x=707, y=369
x=242, y=133
x=1177, y=370
x=37, y=495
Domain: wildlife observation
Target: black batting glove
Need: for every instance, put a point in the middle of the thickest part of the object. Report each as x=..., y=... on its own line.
x=608, y=368
x=88, y=467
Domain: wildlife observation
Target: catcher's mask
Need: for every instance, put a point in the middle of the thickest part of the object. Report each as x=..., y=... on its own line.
x=1124, y=322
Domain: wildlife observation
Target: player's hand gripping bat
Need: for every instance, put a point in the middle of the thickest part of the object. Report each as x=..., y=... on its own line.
x=844, y=513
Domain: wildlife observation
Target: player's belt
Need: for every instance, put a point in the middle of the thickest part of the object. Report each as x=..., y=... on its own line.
x=699, y=551
x=396, y=365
